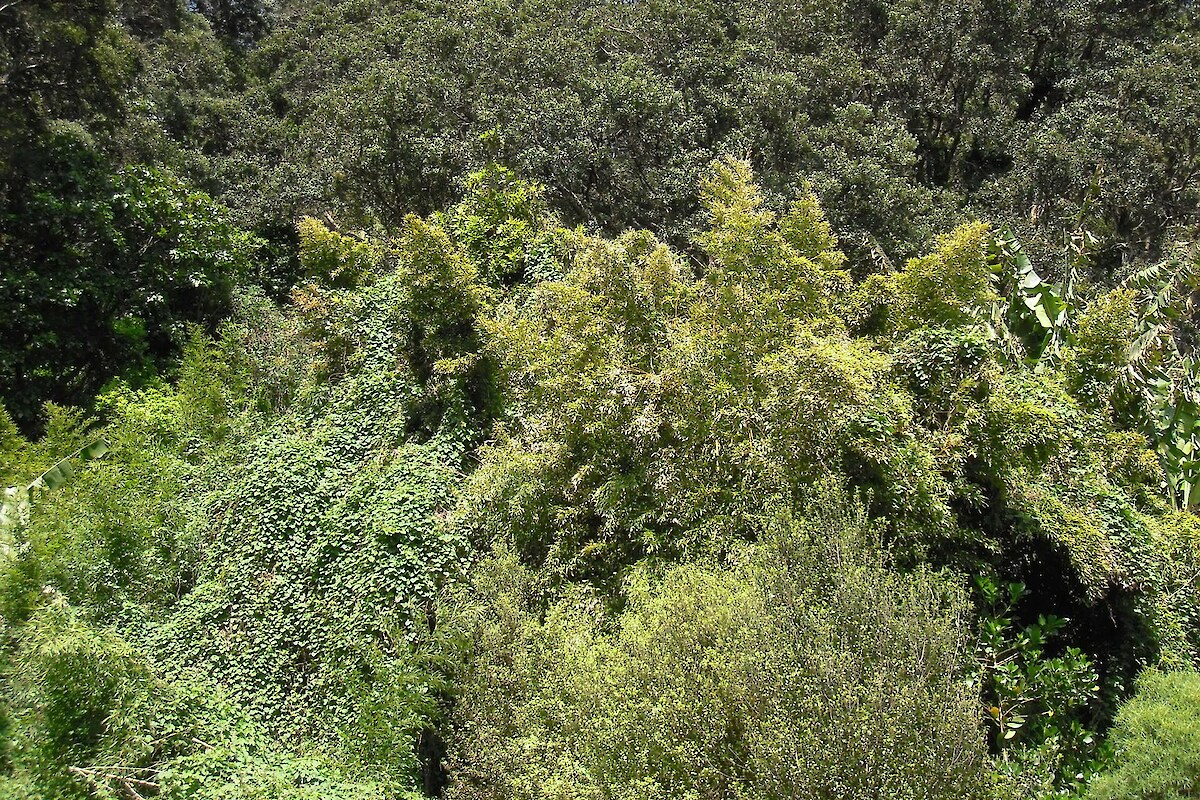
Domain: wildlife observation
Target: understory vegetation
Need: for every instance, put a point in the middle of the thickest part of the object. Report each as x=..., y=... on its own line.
x=531, y=401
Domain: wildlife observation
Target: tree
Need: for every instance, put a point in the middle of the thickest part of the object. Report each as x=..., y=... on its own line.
x=102, y=273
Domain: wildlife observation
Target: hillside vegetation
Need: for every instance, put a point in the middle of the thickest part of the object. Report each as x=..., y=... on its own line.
x=531, y=401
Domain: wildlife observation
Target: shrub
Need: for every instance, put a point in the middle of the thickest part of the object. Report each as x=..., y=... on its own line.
x=65, y=683
x=803, y=667
x=1157, y=739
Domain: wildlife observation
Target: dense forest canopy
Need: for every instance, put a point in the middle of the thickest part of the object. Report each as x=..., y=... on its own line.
x=638, y=399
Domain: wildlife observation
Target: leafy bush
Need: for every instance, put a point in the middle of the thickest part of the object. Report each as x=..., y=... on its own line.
x=87, y=715
x=62, y=688
x=945, y=370
x=1038, y=705
x=319, y=553
x=283, y=536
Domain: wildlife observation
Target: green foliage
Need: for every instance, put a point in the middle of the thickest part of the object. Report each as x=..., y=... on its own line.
x=333, y=258
x=1030, y=316
x=802, y=667
x=894, y=115
x=87, y=715
x=1160, y=372
x=238, y=21
x=648, y=406
x=1035, y=704
x=504, y=226
x=559, y=495
x=945, y=371
x=67, y=682
x=113, y=536
x=15, y=504
x=944, y=287
x=103, y=273
x=60, y=61
x=318, y=552
x=1157, y=739
x=1100, y=348
x=284, y=536
x=13, y=448
x=1109, y=163
x=652, y=414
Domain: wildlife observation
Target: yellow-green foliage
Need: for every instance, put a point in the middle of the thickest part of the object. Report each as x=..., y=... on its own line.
x=805, y=669
x=654, y=411
x=945, y=286
x=335, y=259
x=1041, y=450
x=759, y=282
x=504, y=226
x=1157, y=737
x=868, y=308
x=1173, y=596
x=68, y=682
x=1130, y=463
x=444, y=292
x=809, y=233
x=1099, y=353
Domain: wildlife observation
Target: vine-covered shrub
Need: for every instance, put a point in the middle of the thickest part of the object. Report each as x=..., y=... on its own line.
x=283, y=534
x=326, y=547
x=115, y=536
x=87, y=715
